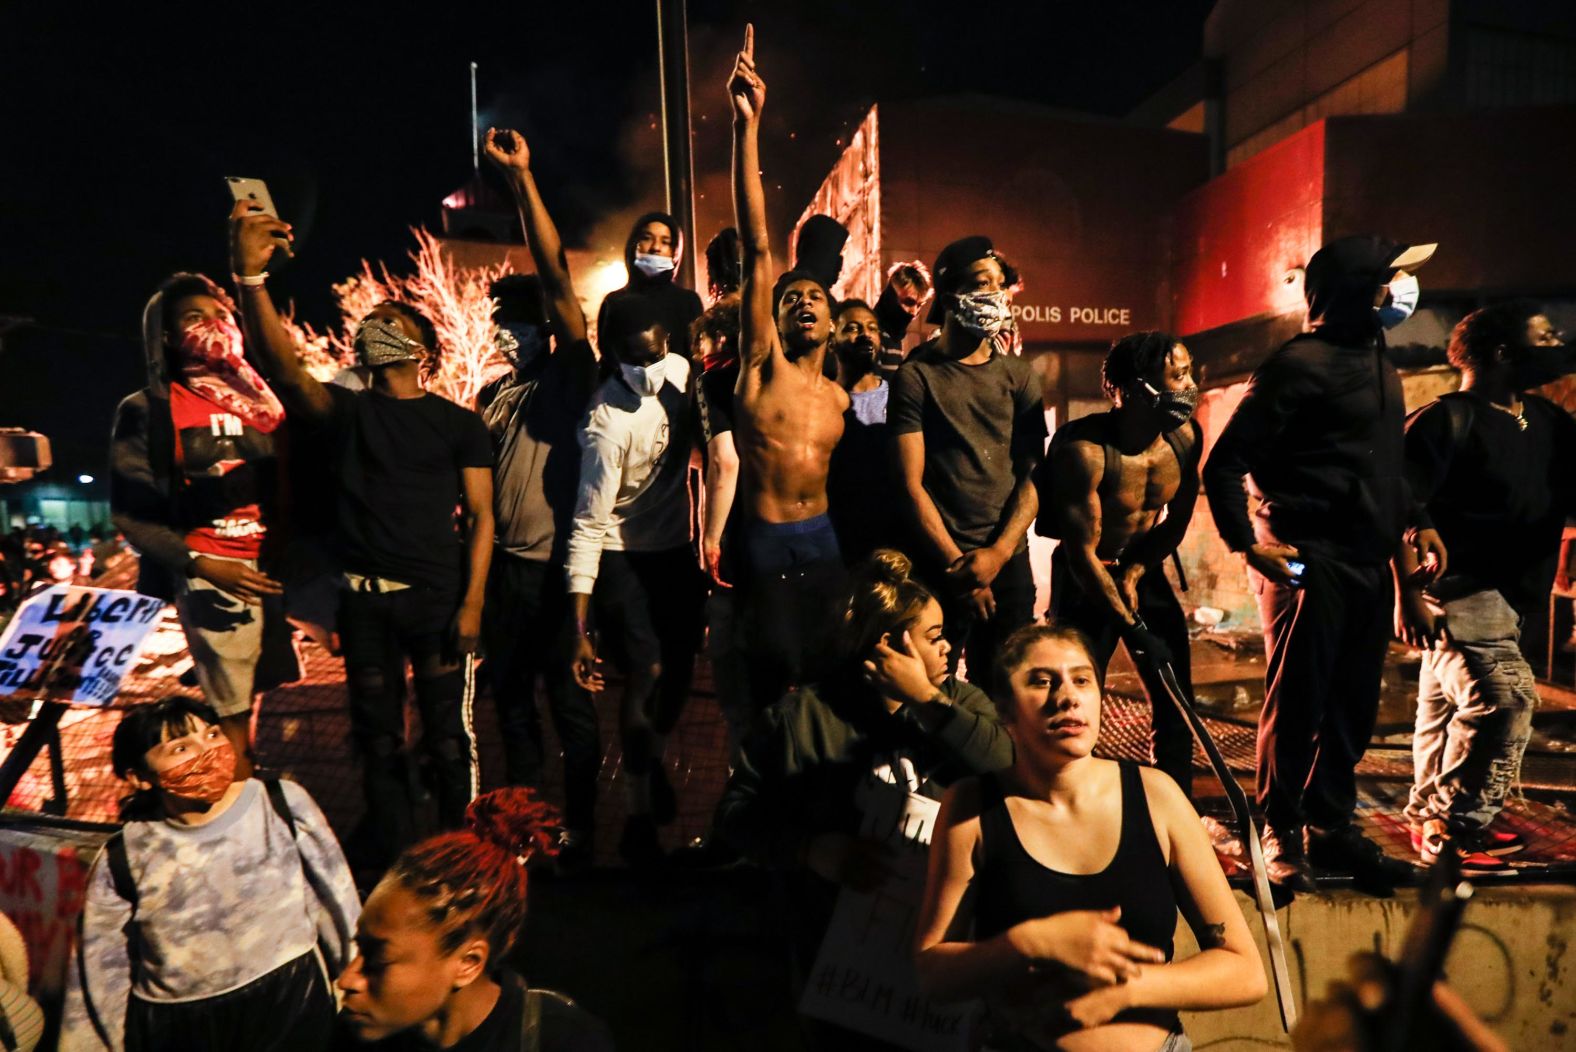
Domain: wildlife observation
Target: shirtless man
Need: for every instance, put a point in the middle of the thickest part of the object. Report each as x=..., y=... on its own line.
x=1103, y=490
x=789, y=417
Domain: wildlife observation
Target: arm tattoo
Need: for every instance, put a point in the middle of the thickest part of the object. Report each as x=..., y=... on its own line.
x=1213, y=936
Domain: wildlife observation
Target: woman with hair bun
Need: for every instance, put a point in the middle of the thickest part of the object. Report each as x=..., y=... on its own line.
x=431, y=966
x=888, y=702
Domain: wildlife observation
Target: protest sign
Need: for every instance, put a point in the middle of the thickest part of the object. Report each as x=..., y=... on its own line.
x=74, y=643
x=863, y=978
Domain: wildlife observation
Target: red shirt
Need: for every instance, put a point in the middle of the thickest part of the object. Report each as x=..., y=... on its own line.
x=219, y=457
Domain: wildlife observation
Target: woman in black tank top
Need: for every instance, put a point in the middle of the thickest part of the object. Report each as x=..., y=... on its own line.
x=1054, y=885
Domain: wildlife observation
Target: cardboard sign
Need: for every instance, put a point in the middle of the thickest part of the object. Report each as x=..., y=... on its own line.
x=74, y=643
x=863, y=977
x=42, y=883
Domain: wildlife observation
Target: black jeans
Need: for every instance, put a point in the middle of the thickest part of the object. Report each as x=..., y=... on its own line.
x=979, y=639
x=650, y=615
x=1325, y=644
x=1171, y=741
x=529, y=639
x=379, y=632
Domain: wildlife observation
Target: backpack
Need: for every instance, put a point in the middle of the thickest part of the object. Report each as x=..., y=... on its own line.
x=119, y=863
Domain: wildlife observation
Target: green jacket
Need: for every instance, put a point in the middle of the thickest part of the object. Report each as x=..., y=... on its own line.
x=795, y=772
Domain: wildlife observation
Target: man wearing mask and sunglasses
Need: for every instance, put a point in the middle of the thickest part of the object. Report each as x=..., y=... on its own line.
x=1103, y=489
x=1493, y=465
x=1320, y=429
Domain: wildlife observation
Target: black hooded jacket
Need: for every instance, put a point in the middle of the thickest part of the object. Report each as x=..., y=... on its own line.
x=677, y=306
x=1320, y=429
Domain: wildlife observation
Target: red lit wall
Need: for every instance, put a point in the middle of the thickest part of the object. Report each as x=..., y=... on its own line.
x=1239, y=238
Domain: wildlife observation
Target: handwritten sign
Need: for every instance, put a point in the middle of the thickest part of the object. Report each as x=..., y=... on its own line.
x=42, y=884
x=74, y=643
x=863, y=978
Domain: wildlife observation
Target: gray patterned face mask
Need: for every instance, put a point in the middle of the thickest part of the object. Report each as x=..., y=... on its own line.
x=380, y=341
x=983, y=313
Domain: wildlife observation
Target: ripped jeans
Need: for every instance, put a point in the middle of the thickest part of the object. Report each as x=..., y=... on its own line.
x=1475, y=701
x=380, y=632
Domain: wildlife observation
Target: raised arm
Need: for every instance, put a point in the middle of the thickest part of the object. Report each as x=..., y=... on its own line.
x=757, y=330
x=508, y=150
x=254, y=238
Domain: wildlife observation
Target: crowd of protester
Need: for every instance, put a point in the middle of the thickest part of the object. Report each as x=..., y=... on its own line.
x=842, y=527
x=38, y=555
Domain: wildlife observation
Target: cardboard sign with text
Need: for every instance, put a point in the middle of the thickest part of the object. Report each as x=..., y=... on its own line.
x=863, y=978
x=74, y=643
x=42, y=883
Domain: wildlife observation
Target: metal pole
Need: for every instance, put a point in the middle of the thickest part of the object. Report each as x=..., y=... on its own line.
x=678, y=170
x=476, y=132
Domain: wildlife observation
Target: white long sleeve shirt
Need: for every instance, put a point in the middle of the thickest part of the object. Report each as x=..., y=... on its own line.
x=634, y=456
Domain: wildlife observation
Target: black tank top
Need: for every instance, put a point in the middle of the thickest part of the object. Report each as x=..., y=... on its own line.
x=1013, y=887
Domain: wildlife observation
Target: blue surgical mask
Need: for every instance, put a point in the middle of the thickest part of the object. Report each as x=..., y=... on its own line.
x=652, y=265
x=648, y=379
x=1404, y=293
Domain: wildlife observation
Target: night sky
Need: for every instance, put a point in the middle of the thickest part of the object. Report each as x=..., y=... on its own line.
x=119, y=122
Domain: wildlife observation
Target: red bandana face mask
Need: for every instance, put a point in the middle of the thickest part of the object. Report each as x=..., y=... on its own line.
x=214, y=365
x=204, y=777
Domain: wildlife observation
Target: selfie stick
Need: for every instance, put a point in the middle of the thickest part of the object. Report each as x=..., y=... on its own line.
x=1239, y=807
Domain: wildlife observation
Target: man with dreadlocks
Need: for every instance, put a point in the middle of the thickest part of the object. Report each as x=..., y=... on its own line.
x=789, y=418
x=432, y=946
x=1118, y=488
x=413, y=585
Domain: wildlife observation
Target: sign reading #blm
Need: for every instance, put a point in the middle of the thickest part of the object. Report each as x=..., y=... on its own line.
x=74, y=643
x=863, y=978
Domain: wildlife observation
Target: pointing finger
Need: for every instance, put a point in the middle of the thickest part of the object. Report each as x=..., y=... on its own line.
x=749, y=39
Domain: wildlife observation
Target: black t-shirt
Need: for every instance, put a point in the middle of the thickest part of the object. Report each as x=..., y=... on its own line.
x=400, y=464
x=714, y=390
x=1498, y=495
x=564, y=1028
x=984, y=428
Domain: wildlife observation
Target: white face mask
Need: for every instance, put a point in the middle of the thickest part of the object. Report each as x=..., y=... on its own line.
x=1404, y=293
x=651, y=264
x=647, y=380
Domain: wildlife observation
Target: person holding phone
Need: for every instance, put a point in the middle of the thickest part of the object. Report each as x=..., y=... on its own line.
x=413, y=584
x=1320, y=432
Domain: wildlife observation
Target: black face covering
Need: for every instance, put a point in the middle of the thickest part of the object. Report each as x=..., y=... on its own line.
x=1174, y=408
x=1539, y=365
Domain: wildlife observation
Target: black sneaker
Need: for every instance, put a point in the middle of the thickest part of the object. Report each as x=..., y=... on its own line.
x=1285, y=859
x=664, y=801
x=1346, y=850
x=639, y=846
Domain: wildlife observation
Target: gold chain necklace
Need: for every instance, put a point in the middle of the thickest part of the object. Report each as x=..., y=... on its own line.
x=1519, y=413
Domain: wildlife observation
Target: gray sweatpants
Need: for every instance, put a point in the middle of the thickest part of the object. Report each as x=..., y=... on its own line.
x=1475, y=701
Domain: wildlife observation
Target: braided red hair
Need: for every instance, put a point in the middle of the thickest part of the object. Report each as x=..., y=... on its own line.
x=474, y=880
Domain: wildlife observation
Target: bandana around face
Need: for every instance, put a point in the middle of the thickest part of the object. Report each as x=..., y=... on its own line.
x=520, y=342
x=204, y=777
x=213, y=363
x=380, y=341
x=983, y=313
